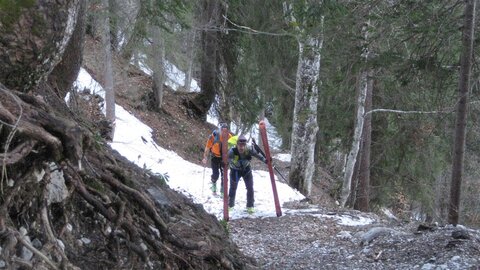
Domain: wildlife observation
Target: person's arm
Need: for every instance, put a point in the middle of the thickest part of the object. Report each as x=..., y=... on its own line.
x=257, y=155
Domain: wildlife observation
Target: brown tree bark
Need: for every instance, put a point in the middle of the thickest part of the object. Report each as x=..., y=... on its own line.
x=107, y=67
x=362, y=201
x=66, y=72
x=158, y=66
x=138, y=33
x=211, y=15
x=461, y=114
x=45, y=30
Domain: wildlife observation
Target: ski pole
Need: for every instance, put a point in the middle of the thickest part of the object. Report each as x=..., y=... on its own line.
x=280, y=174
x=255, y=145
x=203, y=179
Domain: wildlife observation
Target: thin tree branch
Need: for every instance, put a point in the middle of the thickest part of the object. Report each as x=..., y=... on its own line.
x=406, y=112
x=246, y=29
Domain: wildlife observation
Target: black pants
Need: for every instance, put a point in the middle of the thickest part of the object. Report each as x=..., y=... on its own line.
x=235, y=176
x=217, y=170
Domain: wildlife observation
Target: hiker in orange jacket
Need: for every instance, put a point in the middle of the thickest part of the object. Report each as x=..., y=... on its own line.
x=214, y=146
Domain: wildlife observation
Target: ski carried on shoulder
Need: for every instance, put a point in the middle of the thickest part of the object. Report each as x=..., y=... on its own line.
x=225, y=171
x=263, y=134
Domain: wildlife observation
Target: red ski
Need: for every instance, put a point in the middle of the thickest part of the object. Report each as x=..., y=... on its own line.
x=225, y=171
x=263, y=134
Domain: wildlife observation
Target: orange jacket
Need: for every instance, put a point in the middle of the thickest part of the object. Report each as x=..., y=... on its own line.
x=215, y=148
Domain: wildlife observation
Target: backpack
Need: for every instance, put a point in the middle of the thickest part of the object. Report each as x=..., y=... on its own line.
x=216, y=136
x=232, y=141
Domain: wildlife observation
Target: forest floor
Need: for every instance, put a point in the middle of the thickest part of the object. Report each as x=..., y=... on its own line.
x=309, y=235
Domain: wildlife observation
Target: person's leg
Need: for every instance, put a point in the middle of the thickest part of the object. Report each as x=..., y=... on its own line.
x=216, y=165
x=220, y=171
x=248, y=179
x=233, y=187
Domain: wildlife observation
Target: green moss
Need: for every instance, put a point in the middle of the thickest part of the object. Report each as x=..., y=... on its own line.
x=39, y=26
x=126, y=181
x=10, y=10
x=225, y=226
x=94, y=184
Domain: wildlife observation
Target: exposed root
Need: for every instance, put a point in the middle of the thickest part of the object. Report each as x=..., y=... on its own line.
x=122, y=220
x=114, y=218
x=19, y=153
x=35, y=251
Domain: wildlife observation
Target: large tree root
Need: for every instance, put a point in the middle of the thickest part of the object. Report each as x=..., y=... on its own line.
x=105, y=202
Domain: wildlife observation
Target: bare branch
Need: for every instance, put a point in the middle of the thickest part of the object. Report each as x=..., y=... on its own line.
x=246, y=29
x=406, y=112
x=449, y=110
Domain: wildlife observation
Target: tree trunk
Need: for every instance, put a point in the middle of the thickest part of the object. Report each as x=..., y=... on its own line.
x=66, y=72
x=227, y=63
x=158, y=66
x=305, y=127
x=359, y=122
x=357, y=138
x=208, y=76
x=138, y=32
x=115, y=17
x=39, y=51
x=461, y=115
x=354, y=184
x=362, y=198
x=191, y=55
x=108, y=71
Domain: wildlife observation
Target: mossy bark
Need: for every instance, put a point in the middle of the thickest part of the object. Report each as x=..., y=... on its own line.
x=33, y=37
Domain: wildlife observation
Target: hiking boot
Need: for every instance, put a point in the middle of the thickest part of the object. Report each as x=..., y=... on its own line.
x=213, y=187
x=250, y=210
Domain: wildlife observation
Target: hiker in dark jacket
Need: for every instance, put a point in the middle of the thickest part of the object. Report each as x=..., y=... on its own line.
x=239, y=161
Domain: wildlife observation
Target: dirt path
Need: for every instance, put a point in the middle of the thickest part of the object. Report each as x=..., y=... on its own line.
x=317, y=241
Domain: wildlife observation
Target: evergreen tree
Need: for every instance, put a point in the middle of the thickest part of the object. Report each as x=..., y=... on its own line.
x=461, y=111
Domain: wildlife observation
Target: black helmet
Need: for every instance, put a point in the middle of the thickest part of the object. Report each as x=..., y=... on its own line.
x=242, y=140
x=222, y=125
